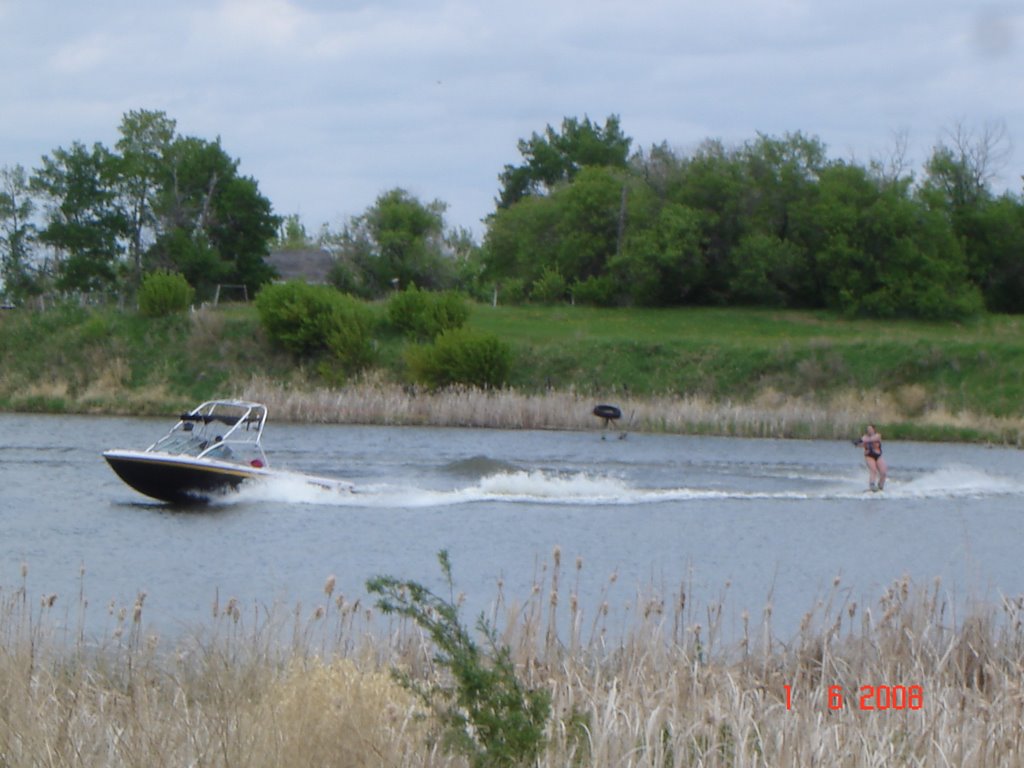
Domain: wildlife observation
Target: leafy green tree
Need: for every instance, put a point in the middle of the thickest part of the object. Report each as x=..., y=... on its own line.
x=557, y=156
x=957, y=182
x=292, y=235
x=521, y=241
x=84, y=223
x=409, y=240
x=242, y=229
x=961, y=168
x=765, y=270
x=146, y=138
x=714, y=182
x=17, y=232
x=779, y=174
x=591, y=215
x=882, y=254
x=664, y=263
x=397, y=242
x=215, y=226
x=992, y=233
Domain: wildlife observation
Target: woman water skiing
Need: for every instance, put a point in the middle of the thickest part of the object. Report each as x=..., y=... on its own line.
x=871, y=441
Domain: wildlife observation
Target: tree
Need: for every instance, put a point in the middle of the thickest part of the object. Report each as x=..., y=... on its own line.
x=993, y=236
x=397, y=242
x=292, y=235
x=664, y=263
x=556, y=157
x=590, y=216
x=766, y=270
x=779, y=174
x=883, y=254
x=146, y=139
x=85, y=225
x=16, y=235
x=214, y=225
x=962, y=168
x=714, y=182
x=521, y=241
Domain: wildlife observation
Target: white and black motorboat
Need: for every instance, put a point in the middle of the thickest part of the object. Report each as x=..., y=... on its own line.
x=212, y=450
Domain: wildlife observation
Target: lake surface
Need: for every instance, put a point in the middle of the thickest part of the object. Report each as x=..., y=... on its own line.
x=747, y=519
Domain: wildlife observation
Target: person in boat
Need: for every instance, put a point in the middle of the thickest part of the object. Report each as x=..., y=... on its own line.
x=871, y=442
x=220, y=449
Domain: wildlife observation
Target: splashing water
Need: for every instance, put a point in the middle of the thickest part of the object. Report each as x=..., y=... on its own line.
x=583, y=488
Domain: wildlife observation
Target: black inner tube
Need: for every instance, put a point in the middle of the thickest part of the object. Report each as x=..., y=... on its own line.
x=607, y=412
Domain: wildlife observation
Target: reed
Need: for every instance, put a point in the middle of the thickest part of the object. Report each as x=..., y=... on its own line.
x=769, y=414
x=659, y=681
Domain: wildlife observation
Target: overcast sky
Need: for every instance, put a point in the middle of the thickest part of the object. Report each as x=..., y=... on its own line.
x=329, y=104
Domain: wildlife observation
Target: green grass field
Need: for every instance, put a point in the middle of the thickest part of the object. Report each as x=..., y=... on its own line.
x=928, y=380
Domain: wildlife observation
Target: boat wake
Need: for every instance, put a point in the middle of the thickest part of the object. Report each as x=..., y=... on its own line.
x=539, y=487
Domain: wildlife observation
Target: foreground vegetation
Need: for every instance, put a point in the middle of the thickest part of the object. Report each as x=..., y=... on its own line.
x=314, y=686
x=722, y=371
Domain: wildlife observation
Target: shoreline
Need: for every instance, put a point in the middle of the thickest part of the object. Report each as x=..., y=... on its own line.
x=771, y=414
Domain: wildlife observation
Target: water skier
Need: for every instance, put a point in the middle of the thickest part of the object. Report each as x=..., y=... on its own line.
x=871, y=441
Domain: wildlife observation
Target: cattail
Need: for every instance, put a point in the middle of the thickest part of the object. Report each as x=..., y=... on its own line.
x=137, y=611
x=329, y=586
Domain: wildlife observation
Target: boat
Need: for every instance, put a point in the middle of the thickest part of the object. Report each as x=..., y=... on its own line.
x=211, y=451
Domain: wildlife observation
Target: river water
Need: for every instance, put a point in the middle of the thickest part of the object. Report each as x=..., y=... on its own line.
x=725, y=519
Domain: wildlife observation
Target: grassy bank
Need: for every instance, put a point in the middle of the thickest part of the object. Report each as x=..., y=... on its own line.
x=312, y=686
x=722, y=371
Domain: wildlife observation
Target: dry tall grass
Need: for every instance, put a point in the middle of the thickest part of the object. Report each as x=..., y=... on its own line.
x=312, y=687
x=771, y=414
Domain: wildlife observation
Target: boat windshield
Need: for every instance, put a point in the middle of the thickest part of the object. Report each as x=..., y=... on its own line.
x=228, y=430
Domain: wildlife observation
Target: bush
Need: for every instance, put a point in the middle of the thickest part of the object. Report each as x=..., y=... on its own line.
x=487, y=714
x=461, y=357
x=549, y=288
x=597, y=291
x=424, y=315
x=512, y=292
x=309, y=320
x=164, y=293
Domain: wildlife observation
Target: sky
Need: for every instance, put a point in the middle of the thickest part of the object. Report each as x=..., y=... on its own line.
x=330, y=104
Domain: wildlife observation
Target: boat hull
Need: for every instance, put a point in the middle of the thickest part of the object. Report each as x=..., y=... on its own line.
x=178, y=479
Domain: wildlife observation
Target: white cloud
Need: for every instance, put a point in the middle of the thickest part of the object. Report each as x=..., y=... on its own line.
x=80, y=56
x=329, y=103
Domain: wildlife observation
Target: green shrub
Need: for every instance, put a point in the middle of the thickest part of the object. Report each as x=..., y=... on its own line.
x=549, y=288
x=461, y=357
x=512, y=292
x=164, y=293
x=596, y=291
x=310, y=320
x=487, y=714
x=349, y=340
x=423, y=315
